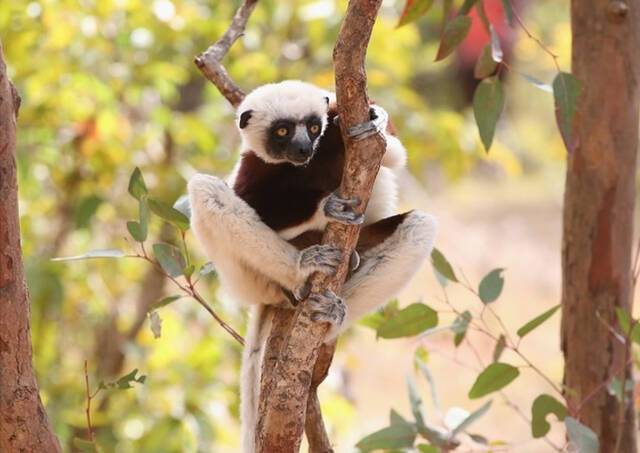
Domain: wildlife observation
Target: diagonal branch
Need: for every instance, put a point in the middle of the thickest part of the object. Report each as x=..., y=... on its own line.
x=284, y=396
x=209, y=61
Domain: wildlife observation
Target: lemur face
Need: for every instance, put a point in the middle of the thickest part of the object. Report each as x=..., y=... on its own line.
x=283, y=122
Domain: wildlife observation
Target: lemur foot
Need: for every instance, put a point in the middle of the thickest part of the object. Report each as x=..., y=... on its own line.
x=327, y=307
x=341, y=209
x=321, y=258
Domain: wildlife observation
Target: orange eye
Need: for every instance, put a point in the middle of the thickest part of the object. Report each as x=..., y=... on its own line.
x=314, y=128
x=281, y=132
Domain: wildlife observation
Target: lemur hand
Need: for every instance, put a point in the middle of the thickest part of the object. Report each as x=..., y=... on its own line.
x=327, y=307
x=341, y=209
x=319, y=258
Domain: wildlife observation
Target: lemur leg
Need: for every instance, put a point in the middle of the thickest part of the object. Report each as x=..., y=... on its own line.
x=386, y=265
x=226, y=225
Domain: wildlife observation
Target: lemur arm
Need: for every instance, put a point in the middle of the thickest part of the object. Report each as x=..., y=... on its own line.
x=227, y=226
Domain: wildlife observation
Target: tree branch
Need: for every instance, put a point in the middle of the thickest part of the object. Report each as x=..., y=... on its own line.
x=284, y=395
x=209, y=61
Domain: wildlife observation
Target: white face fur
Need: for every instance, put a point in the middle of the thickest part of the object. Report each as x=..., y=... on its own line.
x=282, y=122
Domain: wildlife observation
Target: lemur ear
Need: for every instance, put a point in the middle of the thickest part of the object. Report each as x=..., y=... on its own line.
x=244, y=118
x=326, y=98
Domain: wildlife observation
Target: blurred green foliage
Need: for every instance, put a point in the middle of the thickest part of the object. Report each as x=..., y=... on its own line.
x=108, y=85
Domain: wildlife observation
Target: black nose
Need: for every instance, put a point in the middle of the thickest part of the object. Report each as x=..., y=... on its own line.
x=304, y=151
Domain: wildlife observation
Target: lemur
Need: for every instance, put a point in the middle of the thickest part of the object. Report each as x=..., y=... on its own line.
x=262, y=227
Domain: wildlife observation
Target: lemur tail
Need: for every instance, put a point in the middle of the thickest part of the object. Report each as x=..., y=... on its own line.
x=250, y=375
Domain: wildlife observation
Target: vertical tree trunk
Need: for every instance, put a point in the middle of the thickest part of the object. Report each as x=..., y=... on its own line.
x=23, y=422
x=598, y=215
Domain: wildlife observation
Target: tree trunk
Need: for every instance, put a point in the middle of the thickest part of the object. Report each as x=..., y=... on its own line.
x=23, y=421
x=598, y=216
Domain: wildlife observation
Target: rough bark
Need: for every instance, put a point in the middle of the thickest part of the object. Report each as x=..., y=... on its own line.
x=24, y=426
x=598, y=215
x=284, y=394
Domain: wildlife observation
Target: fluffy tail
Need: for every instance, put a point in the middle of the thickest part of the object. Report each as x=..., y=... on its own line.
x=250, y=375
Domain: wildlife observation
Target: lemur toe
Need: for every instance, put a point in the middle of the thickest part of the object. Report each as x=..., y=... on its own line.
x=341, y=209
x=327, y=307
x=302, y=291
x=321, y=258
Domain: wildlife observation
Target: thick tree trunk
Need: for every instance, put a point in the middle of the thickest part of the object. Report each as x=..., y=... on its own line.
x=598, y=215
x=23, y=421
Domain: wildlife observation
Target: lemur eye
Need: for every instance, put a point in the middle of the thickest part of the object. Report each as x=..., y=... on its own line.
x=314, y=128
x=282, y=131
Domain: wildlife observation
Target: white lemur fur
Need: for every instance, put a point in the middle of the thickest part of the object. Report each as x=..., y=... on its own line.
x=244, y=231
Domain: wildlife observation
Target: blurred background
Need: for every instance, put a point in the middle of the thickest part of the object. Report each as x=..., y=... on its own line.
x=108, y=85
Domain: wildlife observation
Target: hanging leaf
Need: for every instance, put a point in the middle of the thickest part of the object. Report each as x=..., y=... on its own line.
x=107, y=253
x=413, y=10
x=441, y=265
x=125, y=381
x=169, y=214
x=398, y=435
x=491, y=286
x=581, y=436
x=396, y=419
x=488, y=102
x=499, y=349
x=485, y=65
x=493, y=378
x=170, y=258
x=424, y=448
x=85, y=446
x=412, y=320
x=460, y=326
x=543, y=406
x=454, y=33
x=475, y=415
x=508, y=11
x=155, y=323
x=537, y=83
x=536, y=322
x=566, y=90
x=136, y=232
x=416, y=402
x=165, y=301
x=466, y=7
x=137, y=187
x=85, y=210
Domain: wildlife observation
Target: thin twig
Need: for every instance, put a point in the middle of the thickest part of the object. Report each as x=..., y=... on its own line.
x=209, y=62
x=88, y=406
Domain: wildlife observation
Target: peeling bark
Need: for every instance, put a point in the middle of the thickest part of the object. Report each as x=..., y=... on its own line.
x=598, y=215
x=24, y=426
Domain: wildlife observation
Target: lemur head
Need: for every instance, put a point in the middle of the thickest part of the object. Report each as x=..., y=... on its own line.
x=283, y=122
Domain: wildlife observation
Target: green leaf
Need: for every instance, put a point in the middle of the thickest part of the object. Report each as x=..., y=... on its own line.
x=615, y=388
x=581, y=436
x=424, y=448
x=395, y=418
x=137, y=187
x=625, y=322
x=378, y=317
x=441, y=265
x=543, y=406
x=499, y=349
x=536, y=322
x=155, y=324
x=399, y=435
x=125, y=381
x=460, y=326
x=493, y=378
x=485, y=65
x=491, y=285
x=86, y=446
x=85, y=210
x=143, y=216
x=412, y=320
x=475, y=415
x=413, y=10
x=189, y=270
x=508, y=11
x=488, y=102
x=170, y=258
x=454, y=33
x=566, y=90
x=106, y=253
x=416, y=402
x=136, y=232
x=466, y=7
x=169, y=214
x=165, y=301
